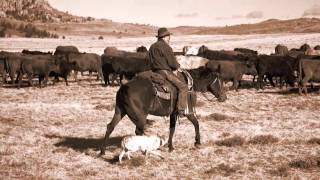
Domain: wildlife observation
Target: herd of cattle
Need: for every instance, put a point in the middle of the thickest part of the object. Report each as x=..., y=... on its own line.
x=289, y=67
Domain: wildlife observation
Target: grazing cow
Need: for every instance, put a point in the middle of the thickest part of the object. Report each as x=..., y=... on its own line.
x=221, y=55
x=295, y=53
x=232, y=70
x=12, y=62
x=40, y=65
x=86, y=62
x=66, y=50
x=142, y=49
x=146, y=144
x=276, y=66
x=123, y=63
x=309, y=70
x=228, y=56
x=246, y=51
x=281, y=50
x=26, y=51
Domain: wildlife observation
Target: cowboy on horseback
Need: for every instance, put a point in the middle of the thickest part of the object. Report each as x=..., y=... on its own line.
x=165, y=63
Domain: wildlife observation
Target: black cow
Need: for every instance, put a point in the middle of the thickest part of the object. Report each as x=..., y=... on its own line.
x=86, y=62
x=305, y=47
x=232, y=70
x=12, y=62
x=228, y=56
x=142, y=49
x=246, y=51
x=222, y=55
x=295, y=53
x=26, y=51
x=3, y=69
x=281, y=50
x=309, y=70
x=66, y=50
x=40, y=65
x=123, y=63
x=276, y=66
x=177, y=53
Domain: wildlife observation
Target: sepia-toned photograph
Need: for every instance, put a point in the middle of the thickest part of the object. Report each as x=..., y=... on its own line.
x=170, y=89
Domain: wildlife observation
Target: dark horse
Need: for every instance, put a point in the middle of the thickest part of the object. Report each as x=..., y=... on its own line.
x=137, y=99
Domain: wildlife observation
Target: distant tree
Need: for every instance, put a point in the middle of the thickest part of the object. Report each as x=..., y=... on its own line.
x=100, y=37
x=56, y=36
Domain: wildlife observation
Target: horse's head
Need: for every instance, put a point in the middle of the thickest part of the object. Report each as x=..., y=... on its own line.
x=216, y=88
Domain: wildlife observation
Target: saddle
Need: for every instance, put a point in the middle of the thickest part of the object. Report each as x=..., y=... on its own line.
x=161, y=87
x=166, y=91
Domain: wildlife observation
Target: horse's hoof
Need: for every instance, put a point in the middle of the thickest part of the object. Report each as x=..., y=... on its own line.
x=197, y=145
x=171, y=149
x=102, y=152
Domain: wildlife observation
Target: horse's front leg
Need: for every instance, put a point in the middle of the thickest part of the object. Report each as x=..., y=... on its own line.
x=173, y=120
x=195, y=123
x=118, y=115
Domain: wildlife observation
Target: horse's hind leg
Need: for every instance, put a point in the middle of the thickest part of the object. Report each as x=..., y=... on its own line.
x=173, y=120
x=118, y=115
x=195, y=123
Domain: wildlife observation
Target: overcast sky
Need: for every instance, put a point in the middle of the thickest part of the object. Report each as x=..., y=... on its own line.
x=189, y=12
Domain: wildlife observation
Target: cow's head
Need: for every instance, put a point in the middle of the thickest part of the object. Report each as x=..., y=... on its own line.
x=202, y=49
x=251, y=68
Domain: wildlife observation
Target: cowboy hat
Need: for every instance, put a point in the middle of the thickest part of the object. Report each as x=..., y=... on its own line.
x=163, y=32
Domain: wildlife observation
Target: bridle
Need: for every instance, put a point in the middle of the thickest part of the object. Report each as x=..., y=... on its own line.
x=214, y=81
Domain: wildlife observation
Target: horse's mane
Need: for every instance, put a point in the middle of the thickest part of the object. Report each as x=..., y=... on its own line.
x=201, y=72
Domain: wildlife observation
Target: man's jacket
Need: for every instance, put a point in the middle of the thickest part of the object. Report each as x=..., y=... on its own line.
x=162, y=57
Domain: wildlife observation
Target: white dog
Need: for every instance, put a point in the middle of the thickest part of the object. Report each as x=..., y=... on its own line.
x=146, y=144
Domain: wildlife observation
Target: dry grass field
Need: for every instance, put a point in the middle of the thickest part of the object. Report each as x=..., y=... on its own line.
x=55, y=132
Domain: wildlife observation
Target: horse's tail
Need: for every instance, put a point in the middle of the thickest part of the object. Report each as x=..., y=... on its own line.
x=121, y=94
x=6, y=65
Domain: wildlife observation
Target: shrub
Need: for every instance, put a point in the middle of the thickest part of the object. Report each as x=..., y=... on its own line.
x=233, y=141
x=305, y=163
x=263, y=139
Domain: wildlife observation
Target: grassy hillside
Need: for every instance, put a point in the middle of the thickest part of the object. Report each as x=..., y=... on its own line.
x=302, y=25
